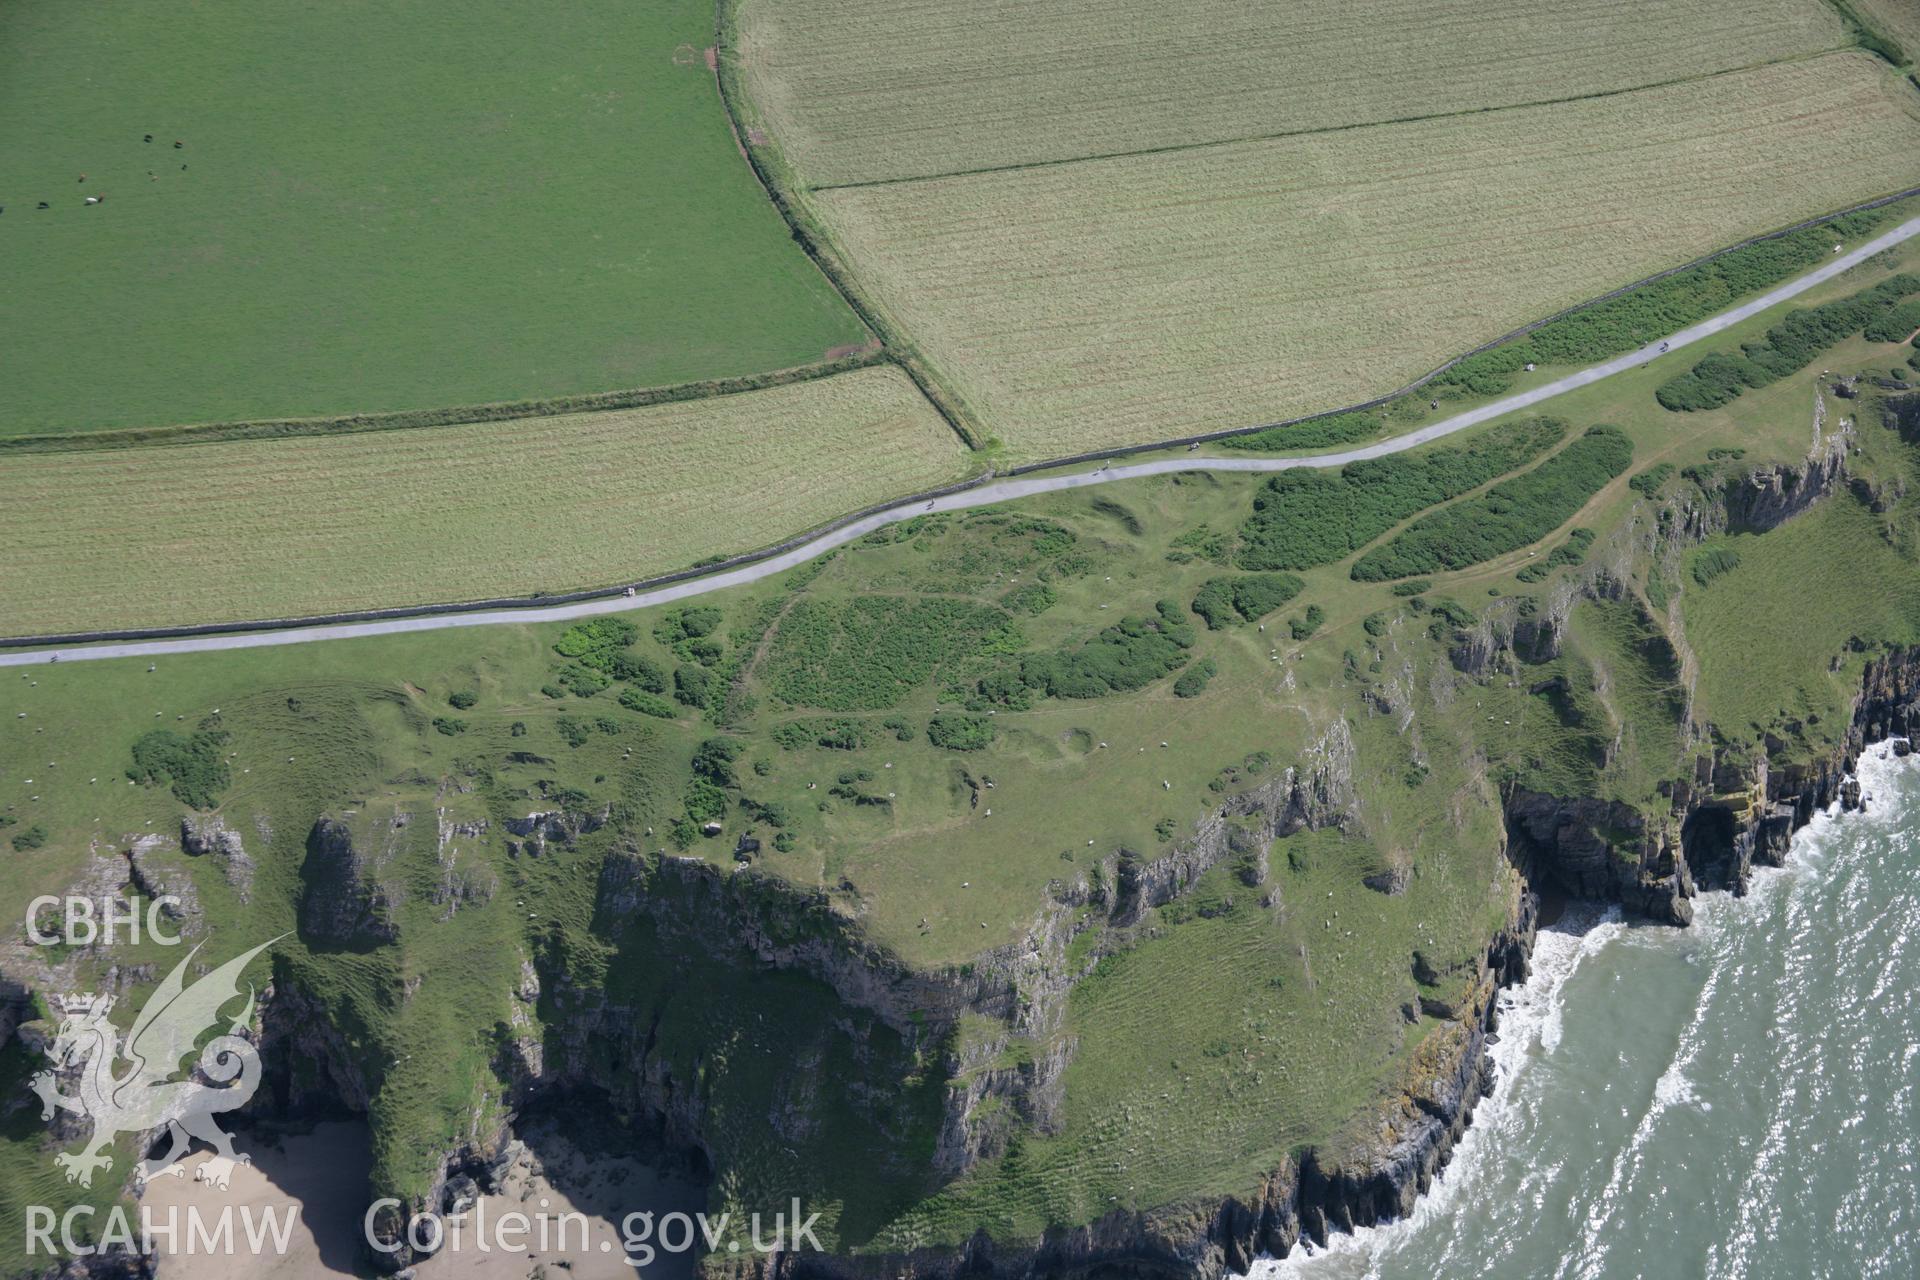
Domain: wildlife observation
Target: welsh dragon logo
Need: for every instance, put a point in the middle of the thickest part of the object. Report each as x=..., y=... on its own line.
x=148, y=1092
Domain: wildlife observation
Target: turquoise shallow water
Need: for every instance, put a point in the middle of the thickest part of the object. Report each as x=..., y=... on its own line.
x=1737, y=1099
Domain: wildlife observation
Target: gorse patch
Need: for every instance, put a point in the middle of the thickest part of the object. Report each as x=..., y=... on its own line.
x=1305, y=518
x=1711, y=564
x=1129, y=655
x=1508, y=516
x=1648, y=482
x=1226, y=601
x=1193, y=681
x=1315, y=433
x=1654, y=310
x=595, y=640
x=958, y=732
x=868, y=653
x=1788, y=347
x=837, y=733
x=647, y=704
x=191, y=766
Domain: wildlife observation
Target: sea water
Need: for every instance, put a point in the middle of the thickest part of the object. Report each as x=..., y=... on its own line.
x=1736, y=1099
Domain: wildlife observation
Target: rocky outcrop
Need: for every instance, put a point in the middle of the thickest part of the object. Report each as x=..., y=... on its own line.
x=207, y=835
x=309, y=1067
x=1317, y=793
x=1767, y=497
x=154, y=870
x=1589, y=847
x=1600, y=849
x=557, y=826
x=1378, y=1178
x=1738, y=809
x=343, y=900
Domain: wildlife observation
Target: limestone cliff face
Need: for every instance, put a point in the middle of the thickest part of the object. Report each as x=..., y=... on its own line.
x=1738, y=809
x=344, y=898
x=1732, y=813
x=206, y=835
x=1767, y=497
x=1379, y=1178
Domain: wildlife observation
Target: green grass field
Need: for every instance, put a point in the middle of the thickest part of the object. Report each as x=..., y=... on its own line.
x=865, y=92
x=291, y=527
x=1120, y=301
x=376, y=208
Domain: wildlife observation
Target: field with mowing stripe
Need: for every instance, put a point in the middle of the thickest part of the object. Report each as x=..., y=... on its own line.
x=1118, y=301
x=279, y=528
x=377, y=207
x=861, y=92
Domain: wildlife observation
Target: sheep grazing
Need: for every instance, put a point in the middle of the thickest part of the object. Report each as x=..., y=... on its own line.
x=93, y=199
x=177, y=144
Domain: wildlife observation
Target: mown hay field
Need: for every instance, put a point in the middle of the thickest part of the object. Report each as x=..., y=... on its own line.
x=864, y=92
x=377, y=208
x=280, y=528
x=1141, y=298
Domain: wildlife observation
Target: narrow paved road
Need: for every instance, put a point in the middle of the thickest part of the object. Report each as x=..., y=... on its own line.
x=985, y=495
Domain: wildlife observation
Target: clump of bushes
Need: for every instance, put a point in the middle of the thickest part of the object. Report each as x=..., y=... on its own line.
x=693, y=686
x=1193, y=681
x=958, y=732
x=1787, y=347
x=713, y=760
x=1315, y=433
x=1508, y=516
x=583, y=681
x=450, y=725
x=32, y=838
x=867, y=653
x=1303, y=628
x=462, y=700
x=1034, y=598
x=638, y=670
x=1710, y=564
x=1129, y=655
x=836, y=733
x=596, y=635
x=192, y=766
x=1648, y=482
x=576, y=732
x=1896, y=324
x=1651, y=311
x=647, y=704
x=1303, y=518
x=1225, y=601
